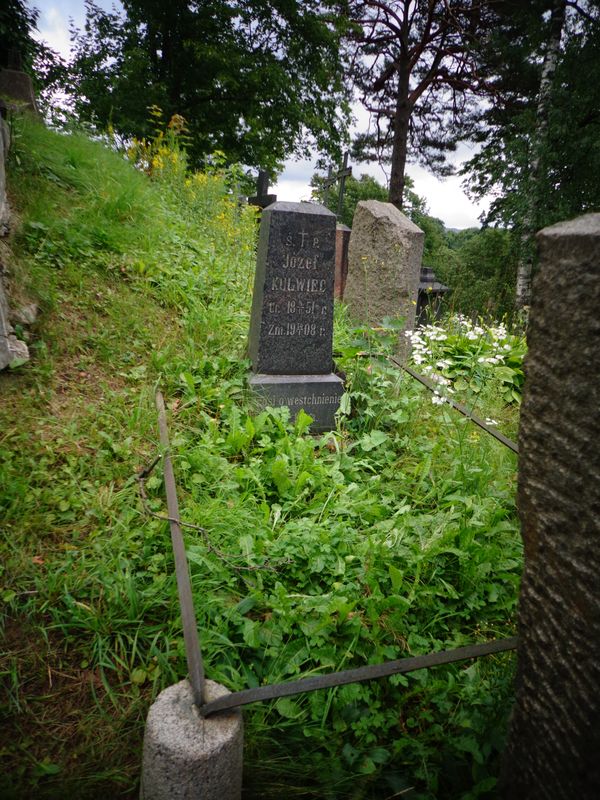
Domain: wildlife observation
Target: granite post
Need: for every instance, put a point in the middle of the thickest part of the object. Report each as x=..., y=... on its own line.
x=291, y=326
x=384, y=265
x=554, y=736
x=187, y=756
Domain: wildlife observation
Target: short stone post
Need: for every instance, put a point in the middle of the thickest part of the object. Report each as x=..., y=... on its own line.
x=188, y=757
x=384, y=265
x=553, y=749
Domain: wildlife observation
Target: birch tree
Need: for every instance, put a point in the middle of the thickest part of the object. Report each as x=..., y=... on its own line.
x=538, y=161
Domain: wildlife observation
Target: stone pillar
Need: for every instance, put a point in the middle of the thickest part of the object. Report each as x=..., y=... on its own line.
x=342, y=240
x=384, y=265
x=553, y=749
x=187, y=757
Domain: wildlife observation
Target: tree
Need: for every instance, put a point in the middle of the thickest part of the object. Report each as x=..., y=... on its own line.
x=418, y=73
x=17, y=45
x=539, y=157
x=544, y=99
x=364, y=188
x=255, y=79
x=481, y=270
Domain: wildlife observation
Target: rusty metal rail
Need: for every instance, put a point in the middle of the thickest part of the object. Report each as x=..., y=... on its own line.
x=369, y=673
x=184, y=587
x=458, y=406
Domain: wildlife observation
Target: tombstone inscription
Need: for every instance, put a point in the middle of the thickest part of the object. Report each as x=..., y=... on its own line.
x=291, y=326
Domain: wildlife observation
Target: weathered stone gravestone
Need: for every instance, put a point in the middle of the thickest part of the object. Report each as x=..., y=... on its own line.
x=291, y=326
x=384, y=264
x=554, y=738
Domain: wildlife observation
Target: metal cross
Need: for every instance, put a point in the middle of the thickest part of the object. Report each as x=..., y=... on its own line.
x=262, y=199
x=341, y=176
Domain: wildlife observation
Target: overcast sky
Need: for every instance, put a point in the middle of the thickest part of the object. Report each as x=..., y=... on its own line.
x=445, y=199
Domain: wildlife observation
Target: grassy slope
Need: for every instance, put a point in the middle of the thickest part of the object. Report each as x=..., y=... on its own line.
x=139, y=285
x=77, y=423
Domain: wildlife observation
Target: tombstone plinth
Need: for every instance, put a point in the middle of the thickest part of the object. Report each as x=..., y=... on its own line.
x=291, y=326
x=317, y=395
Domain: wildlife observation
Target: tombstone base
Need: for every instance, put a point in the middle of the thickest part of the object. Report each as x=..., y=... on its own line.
x=318, y=395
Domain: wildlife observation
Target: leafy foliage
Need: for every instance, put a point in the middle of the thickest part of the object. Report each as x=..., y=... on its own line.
x=467, y=358
x=569, y=167
x=480, y=265
x=226, y=67
x=17, y=23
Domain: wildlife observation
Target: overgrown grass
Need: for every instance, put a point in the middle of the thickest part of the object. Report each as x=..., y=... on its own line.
x=394, y=535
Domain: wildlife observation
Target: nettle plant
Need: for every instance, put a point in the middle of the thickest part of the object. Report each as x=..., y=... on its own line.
x=460, y=356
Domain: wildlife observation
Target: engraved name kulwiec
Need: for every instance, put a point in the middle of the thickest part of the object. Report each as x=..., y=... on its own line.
x=291, y=326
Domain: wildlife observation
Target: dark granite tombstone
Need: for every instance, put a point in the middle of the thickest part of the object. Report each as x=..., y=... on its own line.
x=291, y=326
